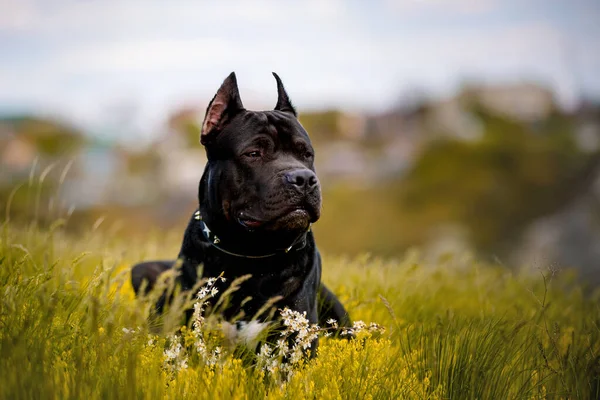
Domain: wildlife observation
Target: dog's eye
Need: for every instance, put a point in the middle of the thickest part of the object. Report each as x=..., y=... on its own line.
x=308, y=154
x=253, y=154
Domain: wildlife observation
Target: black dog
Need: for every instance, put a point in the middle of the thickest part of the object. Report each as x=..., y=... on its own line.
x=257, y=199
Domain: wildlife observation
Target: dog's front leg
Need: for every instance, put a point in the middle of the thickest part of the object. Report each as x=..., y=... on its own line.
x=331, y=308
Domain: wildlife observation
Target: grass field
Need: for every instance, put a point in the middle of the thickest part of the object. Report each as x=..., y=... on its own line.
x=70, y=327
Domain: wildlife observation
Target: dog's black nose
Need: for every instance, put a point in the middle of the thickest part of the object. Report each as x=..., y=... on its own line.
x=302, y=179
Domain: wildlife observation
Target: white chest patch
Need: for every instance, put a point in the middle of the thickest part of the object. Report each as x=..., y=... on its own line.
x=244, y=332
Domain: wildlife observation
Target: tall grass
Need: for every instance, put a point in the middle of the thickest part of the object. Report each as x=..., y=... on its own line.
x=70, y=327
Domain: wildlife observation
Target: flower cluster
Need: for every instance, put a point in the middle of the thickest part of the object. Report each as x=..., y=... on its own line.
x=206, y=292
x=298, y=336
x=360, y=327
x=279, y=360
x=174, y=356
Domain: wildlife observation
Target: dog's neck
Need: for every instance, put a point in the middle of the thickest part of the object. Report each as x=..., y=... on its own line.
x=298, y=243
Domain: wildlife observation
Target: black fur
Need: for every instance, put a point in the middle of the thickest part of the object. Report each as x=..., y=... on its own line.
x=258, y=195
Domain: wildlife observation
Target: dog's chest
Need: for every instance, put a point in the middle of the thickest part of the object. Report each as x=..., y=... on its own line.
x=243, y=332
x=251, y=296
x=266, y=279
x=279, y=286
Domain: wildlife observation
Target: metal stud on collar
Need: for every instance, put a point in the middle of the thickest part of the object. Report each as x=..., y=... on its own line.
x=198, y=217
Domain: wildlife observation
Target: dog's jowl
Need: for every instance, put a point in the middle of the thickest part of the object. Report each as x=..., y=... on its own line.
x=258, y=197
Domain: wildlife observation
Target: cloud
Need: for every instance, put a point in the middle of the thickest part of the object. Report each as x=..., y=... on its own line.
x=64, y=16
x=17, y=14
x=471, y=48
x=144, y=55
x=442, y=6
x=74, y=55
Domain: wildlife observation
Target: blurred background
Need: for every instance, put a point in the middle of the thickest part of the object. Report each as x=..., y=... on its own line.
x=445, y=125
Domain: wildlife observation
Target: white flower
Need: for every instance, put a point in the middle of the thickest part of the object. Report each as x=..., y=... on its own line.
x=265, y=351
x=359, y=326
x=373, y=327
x=172, y=352
x=183, y=364
x=214, y=357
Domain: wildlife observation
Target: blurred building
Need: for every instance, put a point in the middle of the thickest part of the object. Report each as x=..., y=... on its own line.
x=521, y=101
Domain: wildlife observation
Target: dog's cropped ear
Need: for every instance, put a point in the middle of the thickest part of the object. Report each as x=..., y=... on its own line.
x=283, y=101
x=222, y=108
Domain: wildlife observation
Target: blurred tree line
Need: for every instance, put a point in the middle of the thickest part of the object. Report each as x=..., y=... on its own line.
x=35, y=152
x=491, y=185
x=498, y=184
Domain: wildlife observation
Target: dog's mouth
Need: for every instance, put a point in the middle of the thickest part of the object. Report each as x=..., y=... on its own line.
x=294, y=218
x=248, y=222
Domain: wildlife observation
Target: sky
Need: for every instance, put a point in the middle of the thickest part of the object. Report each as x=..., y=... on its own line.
x=128, y=63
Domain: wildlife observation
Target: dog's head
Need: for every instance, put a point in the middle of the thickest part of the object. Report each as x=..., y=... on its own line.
x=260, y=175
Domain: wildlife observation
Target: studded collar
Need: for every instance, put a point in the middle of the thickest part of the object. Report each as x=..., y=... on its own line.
x=298, y=243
